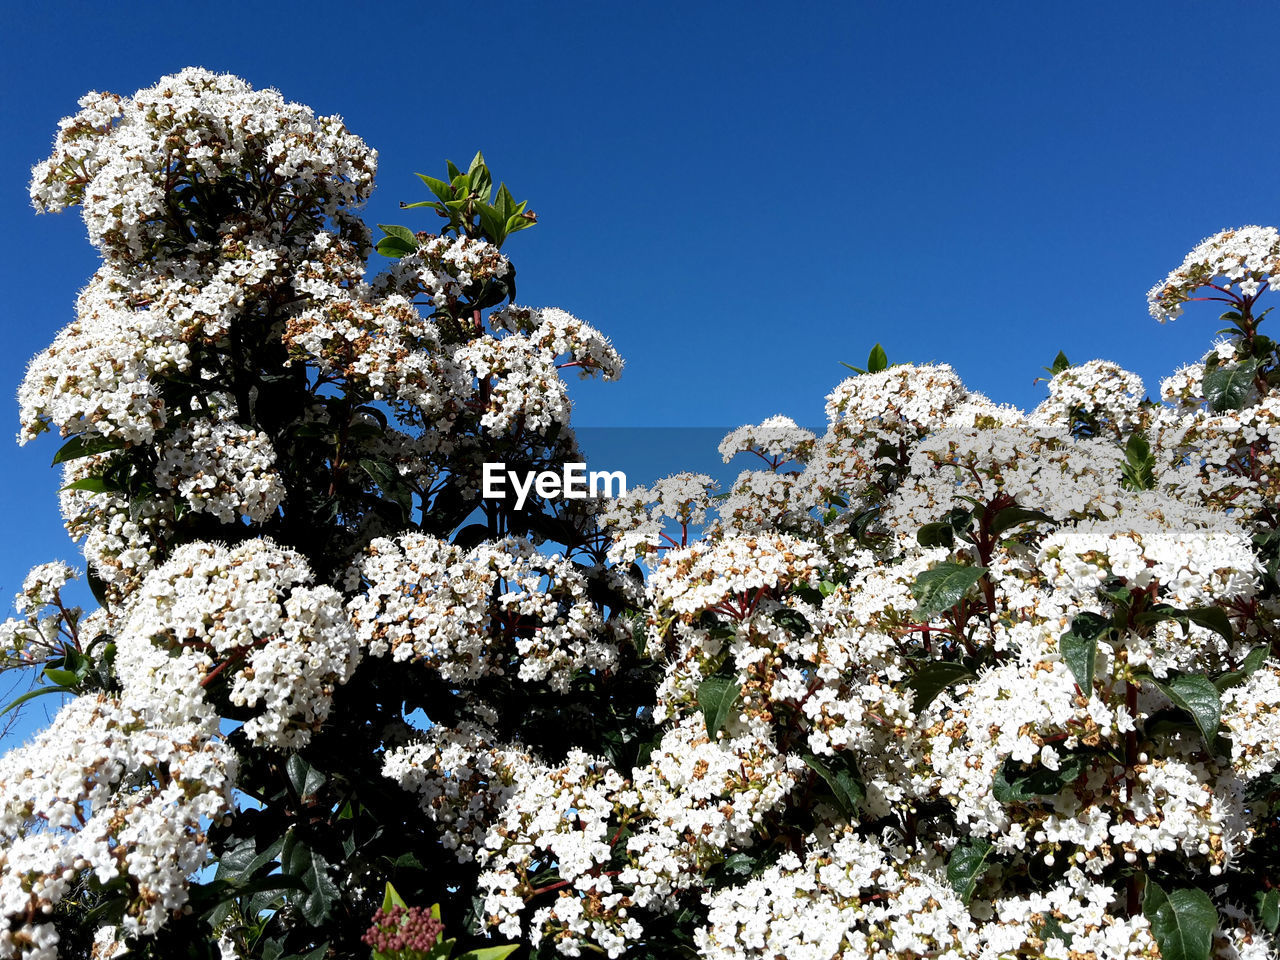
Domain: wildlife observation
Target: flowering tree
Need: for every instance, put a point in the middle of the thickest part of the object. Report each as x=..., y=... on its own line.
x=952, y=679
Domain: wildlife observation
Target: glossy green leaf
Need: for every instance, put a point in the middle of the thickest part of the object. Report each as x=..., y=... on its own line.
x=877, y=360
x=1254, y=659
x=966, y=865
x=440, y=188
x=31, y=695
x=1268, y=905
x=492, y=224
x=1182, y=921
x=311, y=869
x=738, y=865
x=1014, y=784
x=390, y=898
x=400, y=233
x=1079, y=648
x=936, y=534
x=305, y=778
x=716, y=698
x=490, y=953
x=394, y=247
x=90, y=485
x=521, y=221
x=1010, y=517
x=82, y=446
x=1139, y=466
x=1215, y=619
x=942, y=587
x=1198, y=696
x=64, y=678
x=1227, y=388
x=934, y=677
x=842, y=778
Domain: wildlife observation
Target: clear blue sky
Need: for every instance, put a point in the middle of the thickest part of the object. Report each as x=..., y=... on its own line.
x=740, y=194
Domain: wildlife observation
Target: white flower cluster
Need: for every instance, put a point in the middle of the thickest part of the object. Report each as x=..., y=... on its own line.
x=121, y=537
x=443, y=269
x=1243, y=259
x=246, y=614
x=119, y=158
x=732, y=574
x=222, y=469
x=902, y=401
x=849, y=898
x=1098, y=391
x=498, y=607
x=638, y=521
x=103, y=792
x=382, y=346
x=519, y=372
x=98, y=377
x=835, y=670
x=1151, y=544
x=777, y=440
x=47, y=624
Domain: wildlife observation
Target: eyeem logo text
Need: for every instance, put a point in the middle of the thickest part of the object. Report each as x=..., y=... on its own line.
x=572, y=483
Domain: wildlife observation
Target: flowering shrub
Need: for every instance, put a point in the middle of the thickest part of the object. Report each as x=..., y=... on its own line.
x=950, y=679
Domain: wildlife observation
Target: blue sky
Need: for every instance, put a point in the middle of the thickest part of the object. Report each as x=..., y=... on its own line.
x=740, y=194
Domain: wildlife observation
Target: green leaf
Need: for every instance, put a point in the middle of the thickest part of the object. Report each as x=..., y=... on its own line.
x=1079, y=648
x=1252, y=661
x=936, y=534
x=1197, y=695
x=244, y=861
x=966, y=866
x=97, y=586
x=716, y=697
x=520, y=221
x=1213, y=618
x=1138, y=470
x=306, y=865
x=494, y=227
x=85, y=446
x=392, y=899
x=942, y=587
x=934, y=677
x=738, y=864
x=1015, y=785
x=400, y=233
x=305, y=778
x=877, y=360
x=793, y=621
x=394, y=247
x=1227, y=388
x=438, y=187
x=64, y=678
x=842, y=778
x=504, y=202
x=1011, y=517
x=1051, y=929
x=31, y=695
x=1182, y=921
x=91, y=484
x=490, y=953
x=1060, y=363
x=1268, y=906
